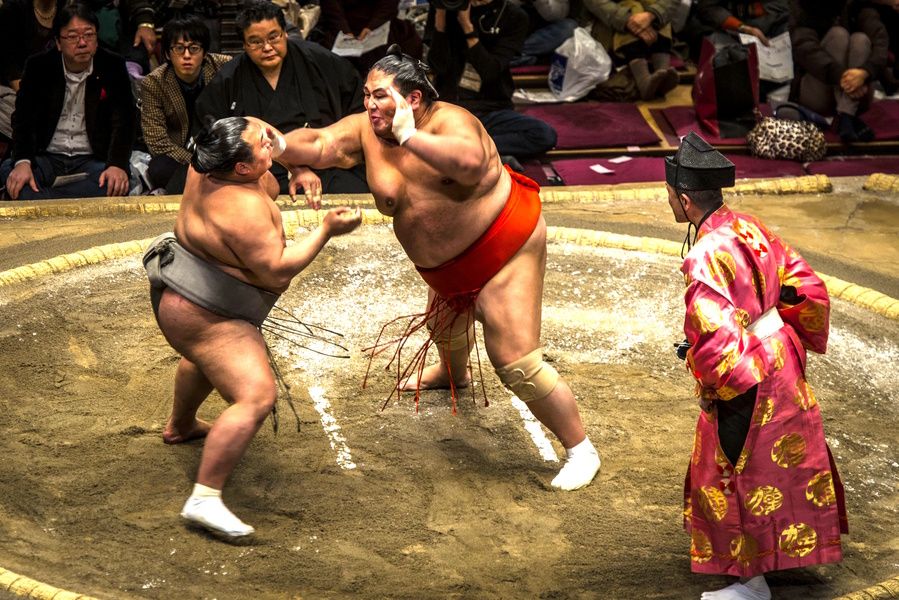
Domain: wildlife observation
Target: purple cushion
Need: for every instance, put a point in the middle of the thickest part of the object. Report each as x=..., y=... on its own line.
x=645, y=169
x=595, y=124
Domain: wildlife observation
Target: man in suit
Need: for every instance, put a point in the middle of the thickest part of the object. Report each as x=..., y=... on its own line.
x=169, y=96
x=74, y=117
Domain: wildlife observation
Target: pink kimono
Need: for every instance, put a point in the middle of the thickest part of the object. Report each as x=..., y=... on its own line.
x=781, y=505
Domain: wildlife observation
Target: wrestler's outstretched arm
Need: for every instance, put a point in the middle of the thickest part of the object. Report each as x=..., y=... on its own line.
x=456, y=149
x=338, y=145
x=248, y=230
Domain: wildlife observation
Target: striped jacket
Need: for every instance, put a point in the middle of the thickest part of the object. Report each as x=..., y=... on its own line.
x=164, y=117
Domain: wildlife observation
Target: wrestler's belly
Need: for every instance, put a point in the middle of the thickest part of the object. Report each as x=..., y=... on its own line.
x=431, y=240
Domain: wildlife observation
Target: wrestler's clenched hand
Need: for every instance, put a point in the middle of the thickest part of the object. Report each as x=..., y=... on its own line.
x=306, y=178
x=403, y=126
x=339, y=221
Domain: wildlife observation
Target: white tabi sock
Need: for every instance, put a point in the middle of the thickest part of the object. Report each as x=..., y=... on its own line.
x=754, y=589
x=580, y=467
x=205, y=507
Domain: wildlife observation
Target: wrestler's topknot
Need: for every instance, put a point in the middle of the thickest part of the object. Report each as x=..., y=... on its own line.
x=218, y=146
x=408, y=72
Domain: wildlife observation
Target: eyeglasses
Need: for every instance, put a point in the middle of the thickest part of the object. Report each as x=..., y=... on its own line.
x=271, y=40
x=192, y=49
x=73, y=38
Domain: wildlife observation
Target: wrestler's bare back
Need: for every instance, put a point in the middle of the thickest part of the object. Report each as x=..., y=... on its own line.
x=213, y=216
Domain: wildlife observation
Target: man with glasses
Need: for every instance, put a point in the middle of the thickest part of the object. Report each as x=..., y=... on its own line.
x=290, y=84
x=74, y=122
x=168, y=99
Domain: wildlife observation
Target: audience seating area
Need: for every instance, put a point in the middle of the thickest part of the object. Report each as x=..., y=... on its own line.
x=607, y=143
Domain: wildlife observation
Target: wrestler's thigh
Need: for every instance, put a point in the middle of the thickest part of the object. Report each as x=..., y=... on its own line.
x=510, y=304
x=230, y=352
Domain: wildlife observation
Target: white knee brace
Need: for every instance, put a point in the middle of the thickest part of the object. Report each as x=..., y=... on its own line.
x=530, y=377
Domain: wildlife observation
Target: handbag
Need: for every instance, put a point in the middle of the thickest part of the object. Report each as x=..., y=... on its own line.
x=787, y=139
x=726, y=89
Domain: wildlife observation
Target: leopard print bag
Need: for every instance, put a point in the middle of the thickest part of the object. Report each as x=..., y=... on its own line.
x=786, y=139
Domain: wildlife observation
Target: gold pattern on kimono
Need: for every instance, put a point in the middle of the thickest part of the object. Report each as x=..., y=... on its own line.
x=789, y=450
x=697, y=446
x=712, y=502
x=744, y=549
x=763, y=500
x=723, y=268
x=756, y=367
x=729, y=358
x=741, y=318
x=791, y=280
x=742, y=461
x=803, y=396
x=820, y=490
x=700, y=547
x=798, y=540
x=688, y=279
x=780, y=353
x=764, y=410
x=727, y=393
x=706, y=316
x=812, y=318
x=781, y=270
x=758, y=283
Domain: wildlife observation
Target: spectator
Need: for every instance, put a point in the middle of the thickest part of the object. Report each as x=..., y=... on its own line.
x=169, y=96
x=287, y=83
x=638, y=34
x=359, y=18
x=470, y=51
x=127, y=27
x=838, y=50
x=889, y=16
x=74, y=117
x=726, y=18
x=550, y=25
x=25, y=29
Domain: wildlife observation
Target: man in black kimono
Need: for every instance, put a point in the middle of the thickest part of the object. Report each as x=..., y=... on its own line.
x=288, y=84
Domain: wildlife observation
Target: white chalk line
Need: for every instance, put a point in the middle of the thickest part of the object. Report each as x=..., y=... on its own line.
x=332, y=429
x=533, y=427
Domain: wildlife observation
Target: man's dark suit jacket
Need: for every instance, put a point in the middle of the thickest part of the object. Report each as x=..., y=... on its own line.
x=109, y=111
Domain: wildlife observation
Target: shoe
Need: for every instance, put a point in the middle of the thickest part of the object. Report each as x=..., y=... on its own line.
x=212, y=514
x=862, y=131
x=667, y=83
x=845, y=128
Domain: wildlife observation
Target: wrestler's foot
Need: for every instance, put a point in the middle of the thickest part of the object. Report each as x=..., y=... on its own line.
x=205, y=508
x=579, y=469
x=172, y=435
x=753, y=589
x=434, y=377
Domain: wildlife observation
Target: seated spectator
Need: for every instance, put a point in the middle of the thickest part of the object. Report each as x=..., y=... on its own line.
x=637, y=33
x=470, y=51
x=74, y=117
x=168, y=100
x=127, y=27
x=838, y=49
x=359, y=18
x=724, y=19
x=550, y=25
x=289, y=84
x=25, y=29
x=889, y=16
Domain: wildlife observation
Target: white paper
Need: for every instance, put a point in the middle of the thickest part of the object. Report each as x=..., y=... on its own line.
x=775, y=60
x=66, y=179
x=534, y=96
x=347, y=45
x=598, y=168
x=619, y=159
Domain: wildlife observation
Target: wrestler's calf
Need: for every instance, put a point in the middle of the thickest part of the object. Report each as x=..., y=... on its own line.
x=532, y=379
